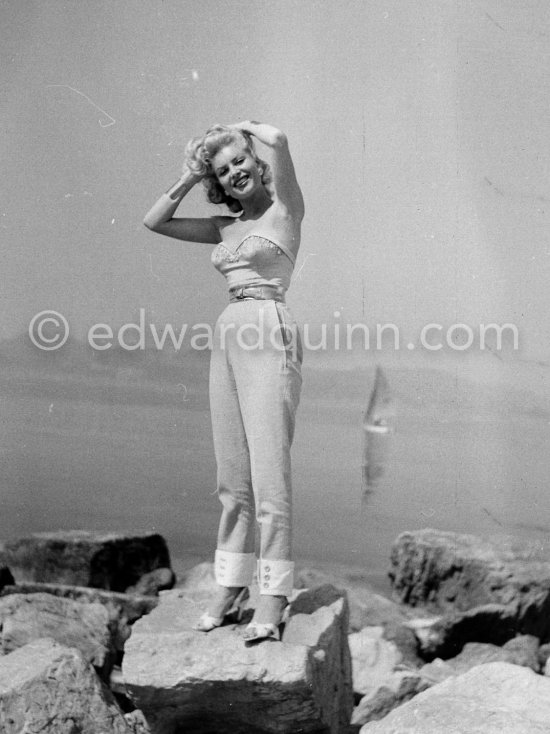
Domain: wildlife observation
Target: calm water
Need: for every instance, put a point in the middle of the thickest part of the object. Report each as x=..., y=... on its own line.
x=119, y=450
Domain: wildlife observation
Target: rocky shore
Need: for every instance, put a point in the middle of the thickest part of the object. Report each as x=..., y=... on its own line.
x=96, y=637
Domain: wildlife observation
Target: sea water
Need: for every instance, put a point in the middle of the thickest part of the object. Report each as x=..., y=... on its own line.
x=123, y=450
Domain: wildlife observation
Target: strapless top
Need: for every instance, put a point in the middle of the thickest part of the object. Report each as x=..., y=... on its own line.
x=256, y=260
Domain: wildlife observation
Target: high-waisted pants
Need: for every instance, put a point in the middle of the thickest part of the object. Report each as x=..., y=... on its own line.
x=255, y=383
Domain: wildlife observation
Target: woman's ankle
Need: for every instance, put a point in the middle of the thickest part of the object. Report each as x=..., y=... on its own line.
x=270, y=609
x=222, y=597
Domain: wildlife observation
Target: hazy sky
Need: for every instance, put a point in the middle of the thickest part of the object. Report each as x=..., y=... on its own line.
x=419, y=132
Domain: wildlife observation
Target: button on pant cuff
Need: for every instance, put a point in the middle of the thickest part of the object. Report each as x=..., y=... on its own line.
x=276, y=578
x=234, y=569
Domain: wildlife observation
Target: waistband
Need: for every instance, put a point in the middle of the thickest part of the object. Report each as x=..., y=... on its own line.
x=260, y=292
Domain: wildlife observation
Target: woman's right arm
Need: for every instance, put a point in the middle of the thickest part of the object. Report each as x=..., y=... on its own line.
x=160, y=217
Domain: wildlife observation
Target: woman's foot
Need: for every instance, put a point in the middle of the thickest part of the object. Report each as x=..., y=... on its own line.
x=228, y=600
x=268, y=616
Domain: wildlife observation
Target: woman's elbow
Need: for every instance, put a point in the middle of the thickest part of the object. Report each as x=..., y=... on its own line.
x=150, y=222
x=279, y=139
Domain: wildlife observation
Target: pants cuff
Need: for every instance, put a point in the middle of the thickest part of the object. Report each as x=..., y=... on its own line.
x=276, y=578
x=234, y=569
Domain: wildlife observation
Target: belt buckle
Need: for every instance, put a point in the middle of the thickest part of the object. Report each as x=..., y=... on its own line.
x=239, y=294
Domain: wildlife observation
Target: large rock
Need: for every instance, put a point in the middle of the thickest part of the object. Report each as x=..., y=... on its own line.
x=449, y=572
x=446, y=634
x=380, y=675
x=368, y=608
x=495, y=698
x=388, y=694
x=111, y=561
x=182, y=679
x=122, y=609
x=51, y=689
x=131, y=605
x=521, y=651
x=151, y=583
x=28, y=617
x=373, y=659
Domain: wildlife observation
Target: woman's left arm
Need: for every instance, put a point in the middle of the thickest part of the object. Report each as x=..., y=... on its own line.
x=284, y=181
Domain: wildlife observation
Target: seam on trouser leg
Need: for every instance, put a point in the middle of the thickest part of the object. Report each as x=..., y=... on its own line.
x=283, y=337
x=234, y=569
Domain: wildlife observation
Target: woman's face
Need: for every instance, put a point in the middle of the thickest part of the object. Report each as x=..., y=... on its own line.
x=236, y=170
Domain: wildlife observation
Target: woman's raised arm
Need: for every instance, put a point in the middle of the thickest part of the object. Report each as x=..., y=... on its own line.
x=285, y=183
x=160, y=217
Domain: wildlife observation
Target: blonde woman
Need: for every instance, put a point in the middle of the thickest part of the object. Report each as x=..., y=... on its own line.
x=255, y=380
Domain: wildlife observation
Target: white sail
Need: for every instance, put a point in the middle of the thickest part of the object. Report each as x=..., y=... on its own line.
x=378, y=426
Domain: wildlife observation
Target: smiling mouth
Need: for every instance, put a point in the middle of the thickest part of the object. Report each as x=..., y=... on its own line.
x=240, y=182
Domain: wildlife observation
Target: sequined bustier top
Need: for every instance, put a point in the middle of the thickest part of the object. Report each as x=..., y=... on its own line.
x=256, y=260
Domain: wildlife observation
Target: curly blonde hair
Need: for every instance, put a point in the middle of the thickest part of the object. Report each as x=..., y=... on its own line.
x=200, y=151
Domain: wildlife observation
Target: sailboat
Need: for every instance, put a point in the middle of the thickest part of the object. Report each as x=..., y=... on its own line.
x=378, y=426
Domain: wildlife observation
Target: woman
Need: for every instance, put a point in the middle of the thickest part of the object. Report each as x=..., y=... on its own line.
x=255, y=368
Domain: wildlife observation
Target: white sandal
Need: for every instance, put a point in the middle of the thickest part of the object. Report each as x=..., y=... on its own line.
x=235, y=607
x=257, y=631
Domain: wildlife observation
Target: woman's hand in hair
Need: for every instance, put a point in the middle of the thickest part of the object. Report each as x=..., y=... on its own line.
x=266, y=134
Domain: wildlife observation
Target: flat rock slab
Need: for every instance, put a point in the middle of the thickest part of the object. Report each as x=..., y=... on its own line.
x=28, y=617
x=196, y=682
x=113, y=561
x=51, y=689
x=497, y=698
x=450, y=572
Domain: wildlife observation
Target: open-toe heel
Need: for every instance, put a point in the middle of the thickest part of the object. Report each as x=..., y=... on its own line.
x=258, y=631
x=234, y=607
